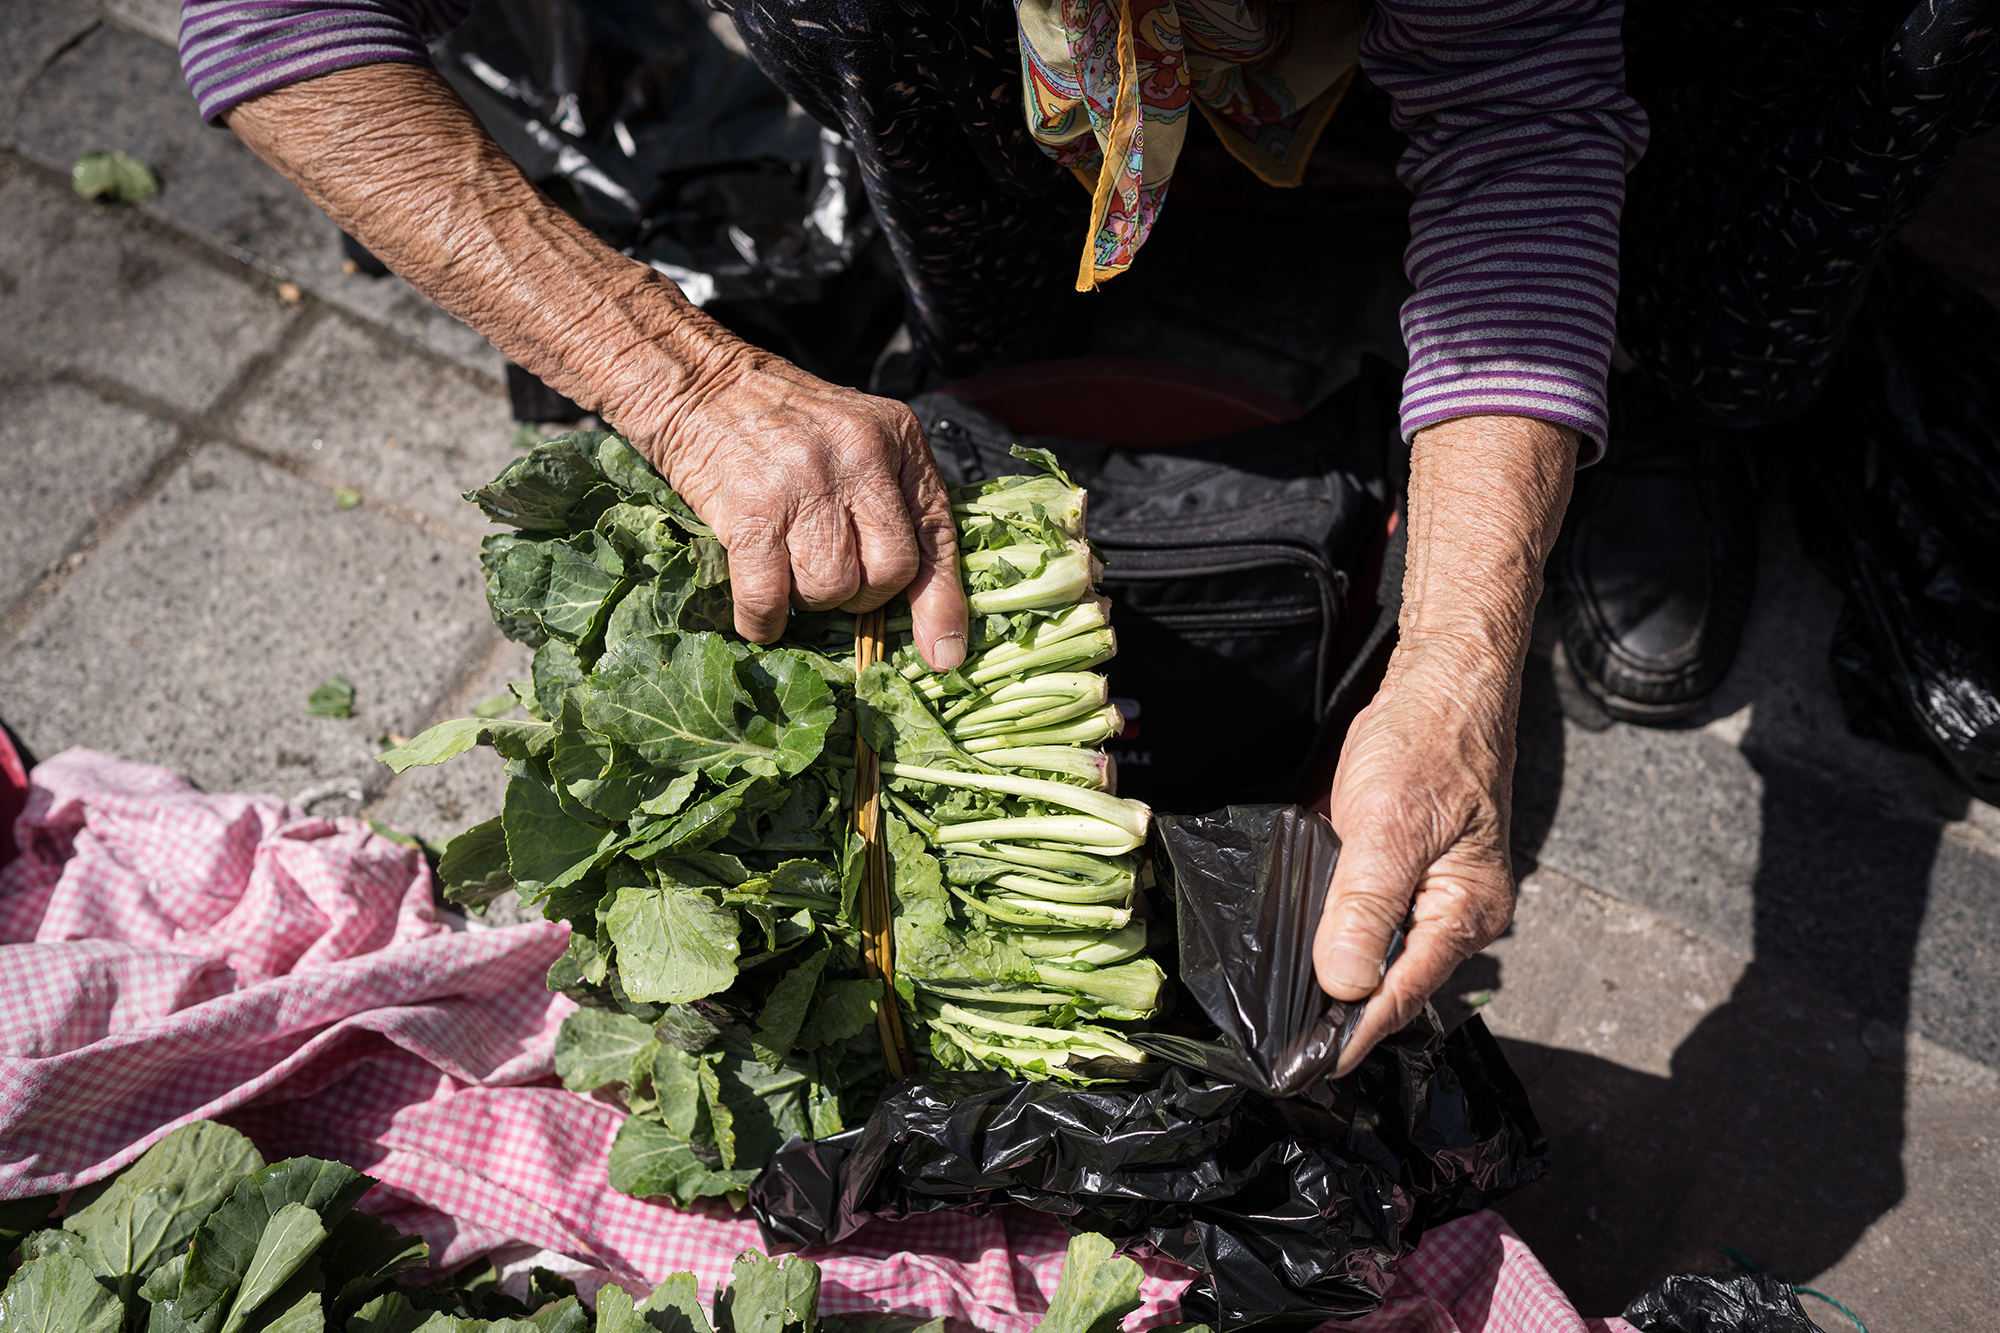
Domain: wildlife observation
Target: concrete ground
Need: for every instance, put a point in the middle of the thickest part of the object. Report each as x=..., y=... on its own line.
x=1754, y=985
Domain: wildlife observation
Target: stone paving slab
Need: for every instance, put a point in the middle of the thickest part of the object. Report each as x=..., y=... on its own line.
x=36, y=31
x=446, y=799
x=355, y=408
x=67, y=460
x=122, y=89
x=83, y=288
x=192, y=637
x=1692, y=1100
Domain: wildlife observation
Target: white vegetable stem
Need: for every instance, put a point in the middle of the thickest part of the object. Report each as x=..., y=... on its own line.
x=1132, y=816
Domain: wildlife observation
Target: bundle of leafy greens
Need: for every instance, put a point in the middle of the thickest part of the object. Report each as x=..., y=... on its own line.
x=685, y=800
x=200, y=1236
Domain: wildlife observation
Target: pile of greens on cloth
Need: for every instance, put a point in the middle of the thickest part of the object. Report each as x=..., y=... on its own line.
x=200, y=1236
x=685, y=800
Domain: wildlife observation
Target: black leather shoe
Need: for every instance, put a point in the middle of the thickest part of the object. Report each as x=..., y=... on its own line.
x=1657, y=559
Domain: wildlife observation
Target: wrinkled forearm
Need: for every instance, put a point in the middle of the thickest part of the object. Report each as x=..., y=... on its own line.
x=393, y=156
x=1487, y=496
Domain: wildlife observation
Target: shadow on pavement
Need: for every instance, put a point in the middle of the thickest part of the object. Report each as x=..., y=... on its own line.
x=1781, y=1128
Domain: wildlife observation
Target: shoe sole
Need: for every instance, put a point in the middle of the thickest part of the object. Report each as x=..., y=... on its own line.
x=1628, y=710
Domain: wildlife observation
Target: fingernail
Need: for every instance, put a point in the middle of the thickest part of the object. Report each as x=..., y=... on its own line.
x=1353, y=969
x=948, y=651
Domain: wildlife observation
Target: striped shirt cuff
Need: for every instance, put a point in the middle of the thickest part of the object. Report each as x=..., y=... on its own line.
x=234, y=50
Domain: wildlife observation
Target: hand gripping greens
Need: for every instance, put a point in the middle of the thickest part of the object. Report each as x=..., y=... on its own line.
x=683, y=799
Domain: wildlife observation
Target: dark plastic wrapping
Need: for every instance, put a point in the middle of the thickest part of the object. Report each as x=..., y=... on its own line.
x=1248, y=885
x=646, y=121
x=1293, y=1209
x=1897, y=496
x=1719, y=1303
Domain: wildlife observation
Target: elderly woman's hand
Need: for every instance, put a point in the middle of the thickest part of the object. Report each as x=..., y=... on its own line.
x=1424, y=790
x=823, y=496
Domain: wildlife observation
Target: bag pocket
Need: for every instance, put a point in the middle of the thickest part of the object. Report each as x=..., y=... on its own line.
x=1223, y=655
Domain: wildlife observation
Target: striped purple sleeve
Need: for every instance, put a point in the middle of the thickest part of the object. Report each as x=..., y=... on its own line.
x=232, y=50
x=1520, y=137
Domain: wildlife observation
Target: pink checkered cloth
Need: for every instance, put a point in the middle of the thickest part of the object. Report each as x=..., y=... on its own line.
x=169, y=956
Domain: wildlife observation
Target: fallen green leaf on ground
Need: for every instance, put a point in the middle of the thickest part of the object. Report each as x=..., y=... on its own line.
x=344, y=499
x=115, y=176
x=333, y=697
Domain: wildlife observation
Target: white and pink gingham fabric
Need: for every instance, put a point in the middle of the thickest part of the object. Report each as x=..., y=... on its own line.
x=169, y=956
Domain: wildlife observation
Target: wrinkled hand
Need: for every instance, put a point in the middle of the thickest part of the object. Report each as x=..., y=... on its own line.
x=823, y=496
x=1421, y=803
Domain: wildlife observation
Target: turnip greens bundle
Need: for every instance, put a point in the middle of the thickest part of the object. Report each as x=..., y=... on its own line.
x=686, y=801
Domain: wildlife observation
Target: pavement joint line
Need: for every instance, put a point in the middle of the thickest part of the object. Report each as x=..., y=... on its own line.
x=55, y=58
x=244, y=266
x=195, y=430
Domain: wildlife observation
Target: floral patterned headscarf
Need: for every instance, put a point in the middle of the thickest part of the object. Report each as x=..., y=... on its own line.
x=1110, y=84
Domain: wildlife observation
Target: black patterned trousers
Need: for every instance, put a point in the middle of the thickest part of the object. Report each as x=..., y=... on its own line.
x=1790, y=142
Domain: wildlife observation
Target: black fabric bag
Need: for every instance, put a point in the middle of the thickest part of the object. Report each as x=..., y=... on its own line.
x=1232, y=567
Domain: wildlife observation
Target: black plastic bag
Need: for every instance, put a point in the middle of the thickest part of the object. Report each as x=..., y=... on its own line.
x=1295, y=1209
x=1248, y=885
x=645, y=119
x=1897, y=495
x=1719, y=1303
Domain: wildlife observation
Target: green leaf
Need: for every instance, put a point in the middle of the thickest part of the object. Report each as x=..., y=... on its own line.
x=333, y=697
x=648, y=1160
x=763, y=1107
x=675, y=1306
x=43, y=1244
x=721, y=1116
x=627, y=469
x=150, y=1210
x=687, y=703
x=605, y=777
x=674, y=945
x=595, y=1048
x=289, y=1238
x=672, y=798
x=362, y=1252
x=448, y=740
x=556, y=671
x=391, y=1313
x=1096, y=1292
x=564, y=1316
x=498, y=706
x=232, y=1236
x=114, y=176
x=895, y=720
x=677, y=1091
x=705, y=822
x=19, y=1217
x=296, y=1307
x=785, y=1010
x=564, y=585
x=843, y=1009
x=473, y=868
x=58, y=1294
x=539, y=493
x=545, y=844
x=346, y=498
x=769, y=1296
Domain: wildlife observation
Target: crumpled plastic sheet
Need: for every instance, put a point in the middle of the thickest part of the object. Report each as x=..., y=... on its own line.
x=1295, y=1209
x=1249, y=884
x=1896, y=479
x=671, y=145
x=1719, y=1303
